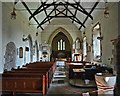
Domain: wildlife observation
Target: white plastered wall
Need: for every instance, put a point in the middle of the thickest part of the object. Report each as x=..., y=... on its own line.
x=13, y=30
x=109, y=31
x=61, y=22
x=1, y=65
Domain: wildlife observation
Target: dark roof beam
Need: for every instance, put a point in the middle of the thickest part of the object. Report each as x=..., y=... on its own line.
x=47, y=16
x=53, y=17
x=75, y=17
x=60, y=4
x=61, y=16
x=16, y=1
x=66, y=10
x=45, y=11
x=30, y=12
x=36, y=11
x=90, y=12
x=45, y=7
x=50, y=17
x=61, y=11
x=54, y=7
x=71, y=17
x=75, y=14
x=84, y=12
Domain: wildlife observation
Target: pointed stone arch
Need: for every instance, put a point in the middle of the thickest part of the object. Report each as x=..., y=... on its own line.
x=60, y=29
x=31, y=47
x=37, y=50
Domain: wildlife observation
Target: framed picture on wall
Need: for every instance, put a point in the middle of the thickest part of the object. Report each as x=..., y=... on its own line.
x=20, y=52
x=26, y=48
x=88, y=47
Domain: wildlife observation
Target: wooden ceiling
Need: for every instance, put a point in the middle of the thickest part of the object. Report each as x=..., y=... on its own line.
x=60, y=9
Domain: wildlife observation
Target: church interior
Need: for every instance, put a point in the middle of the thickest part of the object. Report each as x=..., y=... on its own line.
x=60, y=47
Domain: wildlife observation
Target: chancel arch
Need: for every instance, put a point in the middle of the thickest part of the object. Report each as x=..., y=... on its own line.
x=63, y=42
x=60, y=29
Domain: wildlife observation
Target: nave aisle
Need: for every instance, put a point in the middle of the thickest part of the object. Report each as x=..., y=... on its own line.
x=60, y=85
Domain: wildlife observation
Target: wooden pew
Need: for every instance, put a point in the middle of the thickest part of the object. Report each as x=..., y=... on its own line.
x=26, y=83
x=19, y=72
x=24, y=71
x=48, y=77
x=40, y=64
x=30, y=71
x=49, y=70
x=49, y=65
x=36, y=65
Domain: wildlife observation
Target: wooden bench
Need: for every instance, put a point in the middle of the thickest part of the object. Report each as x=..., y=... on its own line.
x=49, y=70
x=40, y=64
x=38, y=72
x=32, y=71
x=26, y=83
x=49, y=65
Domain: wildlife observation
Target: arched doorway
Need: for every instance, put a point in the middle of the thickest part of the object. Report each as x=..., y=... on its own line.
x=36, y=50
x=31, y=47
x=54, y=34
x=28, y=55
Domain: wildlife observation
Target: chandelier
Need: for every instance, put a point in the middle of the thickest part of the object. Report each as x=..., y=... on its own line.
x=13, y=14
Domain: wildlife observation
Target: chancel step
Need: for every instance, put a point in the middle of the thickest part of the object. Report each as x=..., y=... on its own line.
x=59, y=76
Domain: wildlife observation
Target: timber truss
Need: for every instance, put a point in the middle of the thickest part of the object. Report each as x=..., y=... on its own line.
x=59, y=9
